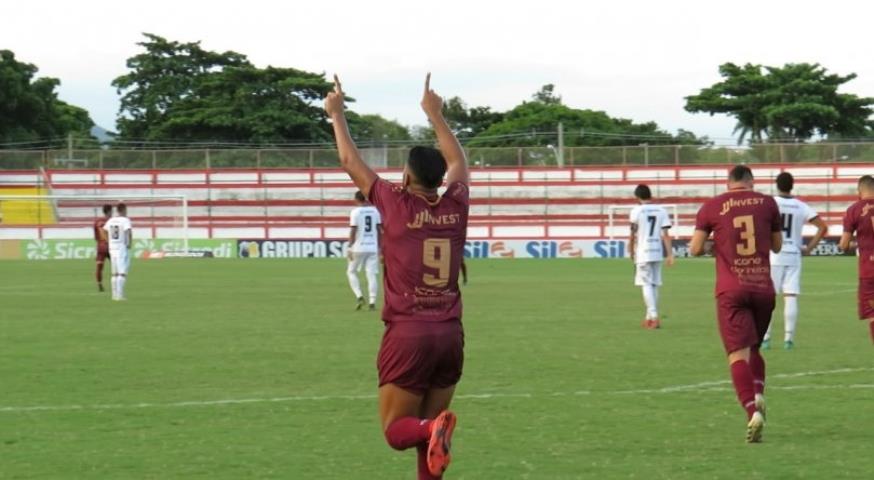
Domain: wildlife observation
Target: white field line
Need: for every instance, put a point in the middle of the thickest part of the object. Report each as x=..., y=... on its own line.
x=824, y=293
x=694, y=387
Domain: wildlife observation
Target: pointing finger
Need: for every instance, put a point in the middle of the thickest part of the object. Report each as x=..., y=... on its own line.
x=428, y=82
x=337, y=87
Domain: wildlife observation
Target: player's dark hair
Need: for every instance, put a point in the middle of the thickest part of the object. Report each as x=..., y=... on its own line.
x=785, y=182
x=866, y=182
x=121, y=208
x=741, y=173
x=427, y=165
x=643, y=192
x=107, y=209
x=359, y=196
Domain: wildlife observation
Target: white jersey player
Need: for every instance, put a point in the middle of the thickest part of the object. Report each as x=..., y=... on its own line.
x=119, y=233
x=364, y=249
x=786, y=265
x=650, y=246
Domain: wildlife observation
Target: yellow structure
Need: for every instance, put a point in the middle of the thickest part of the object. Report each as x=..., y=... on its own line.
x=26, y=212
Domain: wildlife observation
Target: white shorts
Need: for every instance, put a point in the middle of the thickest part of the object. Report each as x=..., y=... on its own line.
x=120, y=261
x=786, y=278
x=368, y=260
x=649, y=273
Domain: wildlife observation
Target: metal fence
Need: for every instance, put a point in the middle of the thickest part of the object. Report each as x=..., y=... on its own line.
x=484, y=157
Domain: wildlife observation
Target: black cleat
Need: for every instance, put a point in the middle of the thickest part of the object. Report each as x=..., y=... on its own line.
x=372, y=307
x=360, y=303
x=100, y=287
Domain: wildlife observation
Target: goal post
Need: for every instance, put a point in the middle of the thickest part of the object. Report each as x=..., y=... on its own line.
x=613, y=221
x=167, y=215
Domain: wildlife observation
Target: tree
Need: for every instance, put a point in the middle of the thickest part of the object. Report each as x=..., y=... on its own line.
x=795, y=101
x=535, y=123
x=469, y=122
x=181, y=92
x=248, y=104
x=374, y=129
x=30, y=109
x=547, y=95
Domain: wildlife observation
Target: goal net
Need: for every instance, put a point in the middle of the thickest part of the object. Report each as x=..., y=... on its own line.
x=618, y=224
x=160, y=222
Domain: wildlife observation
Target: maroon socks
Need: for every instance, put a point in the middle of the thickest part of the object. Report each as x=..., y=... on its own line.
x=757, y=367
x=408, y=432
x=424, y=473
x=742, y=377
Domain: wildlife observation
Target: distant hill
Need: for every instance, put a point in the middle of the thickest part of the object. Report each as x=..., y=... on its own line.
x=101, y=134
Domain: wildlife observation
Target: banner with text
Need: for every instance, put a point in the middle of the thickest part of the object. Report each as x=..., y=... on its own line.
x=142, y=248
x=291, y=248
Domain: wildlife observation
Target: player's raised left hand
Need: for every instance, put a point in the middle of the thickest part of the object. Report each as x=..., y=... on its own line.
x=335, y=100
x=432, y=103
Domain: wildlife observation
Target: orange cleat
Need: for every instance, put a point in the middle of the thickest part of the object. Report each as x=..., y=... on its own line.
x=440, y=442
x=656, y=324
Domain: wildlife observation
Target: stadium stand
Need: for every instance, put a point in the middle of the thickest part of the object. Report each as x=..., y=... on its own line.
x=314, y=203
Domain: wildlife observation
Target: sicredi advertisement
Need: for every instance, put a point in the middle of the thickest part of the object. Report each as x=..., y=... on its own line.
x=83, y=249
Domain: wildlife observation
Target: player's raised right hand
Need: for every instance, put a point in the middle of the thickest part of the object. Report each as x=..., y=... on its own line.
x=335, y=100
x=432, y=103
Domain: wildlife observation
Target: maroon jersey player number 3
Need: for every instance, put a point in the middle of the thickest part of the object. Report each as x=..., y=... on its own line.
x=421, y=356
x=745, y=226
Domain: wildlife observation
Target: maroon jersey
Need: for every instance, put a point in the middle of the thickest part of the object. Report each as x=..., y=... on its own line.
x=424, y=246
x=100, y=234
x=859, y=220
x=741, y=222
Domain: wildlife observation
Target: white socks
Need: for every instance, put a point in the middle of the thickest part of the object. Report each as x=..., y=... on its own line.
x=790, y=316
x=372, y=279
x=118, y=282
x=651, y=299
x=354, y=283
x=790, y=319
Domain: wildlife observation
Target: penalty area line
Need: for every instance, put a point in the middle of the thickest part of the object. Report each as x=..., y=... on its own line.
x=695, y=387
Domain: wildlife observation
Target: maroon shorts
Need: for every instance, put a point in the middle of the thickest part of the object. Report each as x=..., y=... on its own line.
x=102, y=254
x=418, y=356
x=743, y=318
x=866, y=298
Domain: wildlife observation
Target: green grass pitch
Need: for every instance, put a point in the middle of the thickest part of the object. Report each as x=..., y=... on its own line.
x=233, y=369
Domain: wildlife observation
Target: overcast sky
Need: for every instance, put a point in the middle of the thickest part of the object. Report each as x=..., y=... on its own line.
x=633, y=59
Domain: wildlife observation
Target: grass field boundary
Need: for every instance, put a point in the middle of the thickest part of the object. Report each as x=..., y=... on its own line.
x=694, y=387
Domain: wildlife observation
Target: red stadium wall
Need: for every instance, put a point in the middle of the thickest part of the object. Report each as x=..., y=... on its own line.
x=507, y=203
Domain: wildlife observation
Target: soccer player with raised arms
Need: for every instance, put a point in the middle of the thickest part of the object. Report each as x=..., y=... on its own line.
x=746, y=226
x=786, y=265
x=120, y=235
x=365, y=230
x=649, y=242
x=421, y=356
x=859, y=223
